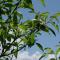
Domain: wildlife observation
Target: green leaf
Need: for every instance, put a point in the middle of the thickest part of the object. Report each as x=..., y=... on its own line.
x=9, y=4
x=44, y=16
x=43, y=2
x=28, y=23
x=52, y=31
x=15, y=52
x=15, y=44
x=20, y=15
x=36, y=17
x=42, y=56
x=54, y=17
x=40, y=46
x=44, y=28
x=44, y=13
x=31, y=40
x=27, y=4
x=57, y=14
x=22, y=27
x=49, y=50
x=55, y=25
x=57, y=51
x=8, y=0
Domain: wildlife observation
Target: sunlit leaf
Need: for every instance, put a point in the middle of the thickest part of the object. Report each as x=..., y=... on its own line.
x=44, y=13
x=57, y=14
x=49, y=50
x=55, y=25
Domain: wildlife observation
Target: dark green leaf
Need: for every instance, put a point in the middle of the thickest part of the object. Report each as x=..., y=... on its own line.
x=44, y=28
x=40, y=46
x=52, y=31
x=20, y=15
x=27, y=4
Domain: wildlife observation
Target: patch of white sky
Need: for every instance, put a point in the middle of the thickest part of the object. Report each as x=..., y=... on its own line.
x=26, y=56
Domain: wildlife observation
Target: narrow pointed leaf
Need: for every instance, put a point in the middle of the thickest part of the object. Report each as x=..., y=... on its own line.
x=52, y=31
x=40, y=46
x=42, y=56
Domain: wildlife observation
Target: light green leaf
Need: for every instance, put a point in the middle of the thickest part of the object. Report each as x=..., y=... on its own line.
x=49, y=50
x=22, y=27
x=57, y=14
x=43, y=2
x=54, y=17
x=44, y=13
x=57, y=51
x=44, y=16
x=55, y=25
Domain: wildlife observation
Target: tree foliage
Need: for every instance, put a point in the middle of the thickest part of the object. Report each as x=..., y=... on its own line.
x=16, y=35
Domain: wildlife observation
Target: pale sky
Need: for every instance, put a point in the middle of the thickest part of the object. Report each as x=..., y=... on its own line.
x=26, y=56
